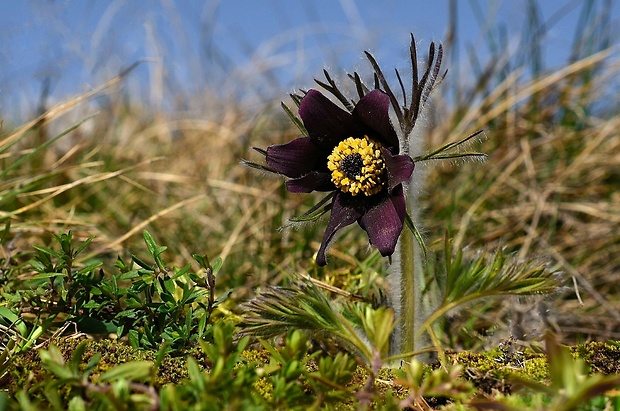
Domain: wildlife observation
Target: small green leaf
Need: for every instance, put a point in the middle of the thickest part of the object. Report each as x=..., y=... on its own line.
x=53, y=396
x=217, y=264
x=38, y=266
x=154, y=249
x=316, y=211
x=134, y=370
x=92, y=304
x=378, y=324
x=141, y=263
x=133, y=302
x=47, y=251
x=222, y=297
x=168, y=299
x=76, y=358
x=181, y=272
x=89, y=268
x=202, y=260
x=169, y=286
x=202, y=325
x=150, y=242
x=294, y=119
x=53, y=361
x=188, y=320
x=92, y=363
x=160, y=356
x=36, y=332
x=83, y=245
x=14, y=321
x=77, y=404
x=47, y=275
x=129, y=275
x=195, y=375
x=134, y=338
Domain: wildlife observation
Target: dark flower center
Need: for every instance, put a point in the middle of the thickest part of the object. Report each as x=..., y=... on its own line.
x=357, y=166
x=352, y=165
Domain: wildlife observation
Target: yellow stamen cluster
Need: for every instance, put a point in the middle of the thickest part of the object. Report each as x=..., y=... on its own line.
x=357, y=166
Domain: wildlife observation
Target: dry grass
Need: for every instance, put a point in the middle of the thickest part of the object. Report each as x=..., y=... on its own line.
x=549, y=190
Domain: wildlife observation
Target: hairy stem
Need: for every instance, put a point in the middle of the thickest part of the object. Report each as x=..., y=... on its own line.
x=402, y=289
x=406, y=281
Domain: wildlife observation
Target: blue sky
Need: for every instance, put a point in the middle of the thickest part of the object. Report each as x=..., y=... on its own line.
x=235, y=47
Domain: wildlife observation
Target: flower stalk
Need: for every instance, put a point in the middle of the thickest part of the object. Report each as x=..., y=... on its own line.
x=406, y=276
x=404, y=294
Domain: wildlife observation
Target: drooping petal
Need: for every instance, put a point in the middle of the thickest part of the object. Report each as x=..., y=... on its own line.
x=341, y=216
x=373, y=110
x=314, y=181
x=399, y=168
x=384, y=222
x=295, y=159
x=327, y=124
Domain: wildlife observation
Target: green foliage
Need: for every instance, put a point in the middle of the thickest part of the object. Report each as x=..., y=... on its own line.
x=301, y=306
x=570, y=387
x=148, y=303
x=294, y=377
x=69, y=385
x=488, y=275
x=447, y=383
x=163, y=305
x=304, y=306
x=221, y=378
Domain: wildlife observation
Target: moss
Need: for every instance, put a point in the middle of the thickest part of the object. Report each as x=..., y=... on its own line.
x=264, y=388
x=533, y=368
x=491, y=371
x=114, y=352
x=26, y=368
x=602, y=357
x=260, y=357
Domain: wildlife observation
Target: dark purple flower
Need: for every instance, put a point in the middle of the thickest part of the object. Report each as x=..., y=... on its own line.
x=355, y=155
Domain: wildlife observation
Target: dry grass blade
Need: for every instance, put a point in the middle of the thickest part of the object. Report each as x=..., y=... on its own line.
x=139, y=227
x=64, y=107
x=475, y=117
x=56, y=191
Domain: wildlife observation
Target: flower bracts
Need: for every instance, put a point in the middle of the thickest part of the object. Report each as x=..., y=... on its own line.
x=354, y=155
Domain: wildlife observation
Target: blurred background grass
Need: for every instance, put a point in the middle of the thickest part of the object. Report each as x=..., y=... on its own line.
x=549, y=189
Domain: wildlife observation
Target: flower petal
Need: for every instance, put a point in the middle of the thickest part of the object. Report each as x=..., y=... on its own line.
x=384, y=222
x=341, y=216
x=296, y=158
x=399, y=168
x=327, y=124
x=313, y=181
x=373, y=110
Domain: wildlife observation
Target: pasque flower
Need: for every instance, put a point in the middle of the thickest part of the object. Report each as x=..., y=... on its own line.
x=353, y=154
x=356, y=156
